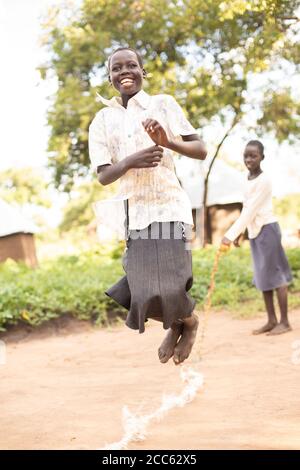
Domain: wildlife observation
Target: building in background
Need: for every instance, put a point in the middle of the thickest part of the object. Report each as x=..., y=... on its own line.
x=16, y=236
x=225, y=195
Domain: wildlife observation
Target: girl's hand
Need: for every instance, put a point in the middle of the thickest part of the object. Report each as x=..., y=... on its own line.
x=237, y=242
x=225, y=244
x=146, y=158
x=156, y=132
x=225, y=241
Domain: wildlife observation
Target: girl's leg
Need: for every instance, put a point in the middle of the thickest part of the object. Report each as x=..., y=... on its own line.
x=283, y=326
x=272, y=320
x=185, y=344
x=166, y=349
x=187, y=329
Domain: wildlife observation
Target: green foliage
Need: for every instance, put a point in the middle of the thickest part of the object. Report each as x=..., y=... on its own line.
x=75, y=285
x=234, y=277
x=24, y=185
x=281, y=106
x=69, y=285
x=203, y=52
x=78, y=211
x=288, y=210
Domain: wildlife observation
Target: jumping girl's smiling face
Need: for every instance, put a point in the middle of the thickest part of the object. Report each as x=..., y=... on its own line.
x=125, y=72
x=253, y=158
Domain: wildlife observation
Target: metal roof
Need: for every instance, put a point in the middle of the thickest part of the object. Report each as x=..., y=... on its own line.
x=13, y=221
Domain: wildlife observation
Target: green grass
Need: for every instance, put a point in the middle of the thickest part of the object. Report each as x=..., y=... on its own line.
x=75, y=285
x=234, y=290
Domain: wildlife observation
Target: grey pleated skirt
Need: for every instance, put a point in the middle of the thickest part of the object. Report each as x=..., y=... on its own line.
x=158, y=276
x=271, y=267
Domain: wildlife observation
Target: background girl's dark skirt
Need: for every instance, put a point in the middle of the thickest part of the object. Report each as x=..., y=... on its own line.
x=158, y=277
x=271, y=268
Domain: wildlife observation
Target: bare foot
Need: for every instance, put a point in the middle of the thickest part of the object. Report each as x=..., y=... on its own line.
x=185, y=344
x=166, y=349
x=280, y=329
x=264, y=329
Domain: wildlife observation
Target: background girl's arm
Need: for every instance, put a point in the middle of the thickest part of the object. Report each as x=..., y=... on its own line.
x=249, y=211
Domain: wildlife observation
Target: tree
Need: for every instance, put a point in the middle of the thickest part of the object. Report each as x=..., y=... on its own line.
x=287, y=209
x=279, y=103
x=203, y=52
x=78, y=211
x=24, y=186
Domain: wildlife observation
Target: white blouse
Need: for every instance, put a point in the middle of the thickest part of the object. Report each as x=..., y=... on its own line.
x=257, y=208
x=154, y=194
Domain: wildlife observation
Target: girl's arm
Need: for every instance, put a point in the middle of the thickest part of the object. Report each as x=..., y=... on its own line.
x=146, y=158
x=107, y=174
x=251, y=206
x=101, y=159
x=191, y=146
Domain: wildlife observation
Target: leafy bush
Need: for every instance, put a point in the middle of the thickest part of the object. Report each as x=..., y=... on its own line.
x=233, y=279
x=75, y=285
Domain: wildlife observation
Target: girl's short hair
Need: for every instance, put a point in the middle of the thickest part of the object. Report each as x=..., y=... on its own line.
x=259, y=145
x=138, y=56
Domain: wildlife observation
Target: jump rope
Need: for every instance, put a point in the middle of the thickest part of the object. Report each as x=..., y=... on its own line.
x=207, y=305
x=136, y=426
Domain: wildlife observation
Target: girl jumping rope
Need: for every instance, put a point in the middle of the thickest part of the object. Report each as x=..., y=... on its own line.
x=271, y=269
x=132, y=140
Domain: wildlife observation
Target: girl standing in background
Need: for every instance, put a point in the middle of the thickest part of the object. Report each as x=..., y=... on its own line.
x=271, y=268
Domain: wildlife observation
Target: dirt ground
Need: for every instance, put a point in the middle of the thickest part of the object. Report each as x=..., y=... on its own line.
x=64, y=385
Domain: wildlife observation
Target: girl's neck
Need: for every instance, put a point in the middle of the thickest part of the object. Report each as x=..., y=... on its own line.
x=125, y=99
x=254, y=174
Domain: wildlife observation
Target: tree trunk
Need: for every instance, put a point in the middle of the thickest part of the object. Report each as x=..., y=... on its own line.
x=206, y=181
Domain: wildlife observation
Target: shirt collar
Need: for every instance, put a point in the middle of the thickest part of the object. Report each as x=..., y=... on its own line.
x=142, y=98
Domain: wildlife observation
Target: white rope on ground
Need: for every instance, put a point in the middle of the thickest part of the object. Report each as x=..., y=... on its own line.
x=136, y=427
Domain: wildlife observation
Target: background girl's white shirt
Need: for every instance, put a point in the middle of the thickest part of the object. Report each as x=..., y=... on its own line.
x=257, y=208
x=154, y=194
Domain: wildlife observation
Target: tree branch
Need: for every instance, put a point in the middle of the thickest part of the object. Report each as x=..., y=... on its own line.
x=205, y=194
